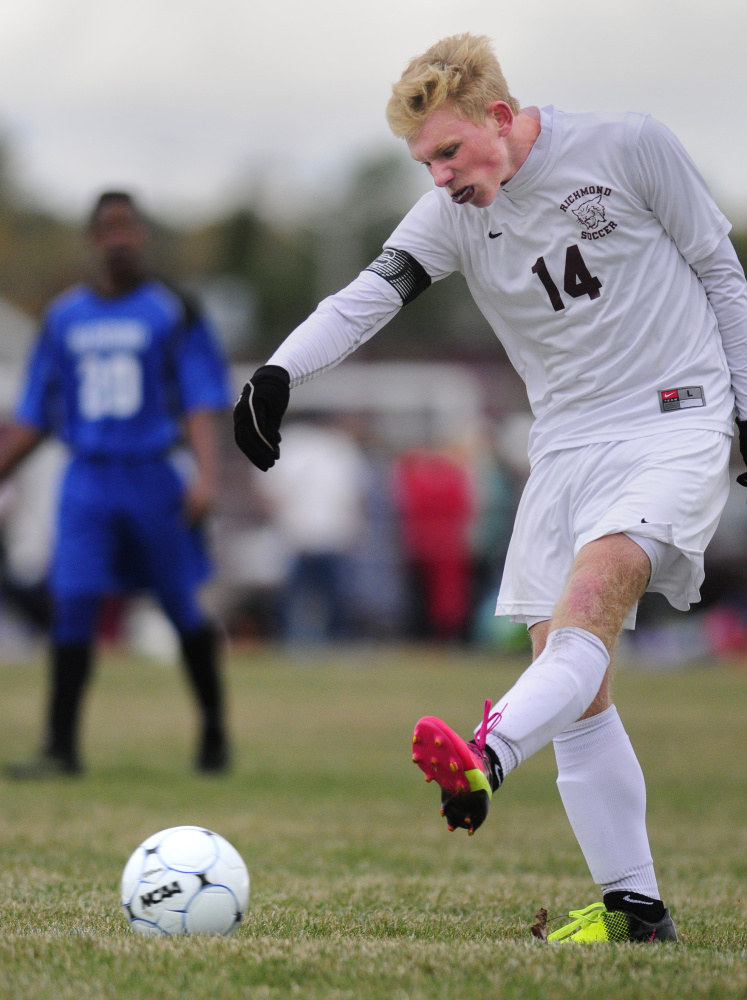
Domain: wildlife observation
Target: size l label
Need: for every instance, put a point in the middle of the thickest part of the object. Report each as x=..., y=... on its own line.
x=681, y=399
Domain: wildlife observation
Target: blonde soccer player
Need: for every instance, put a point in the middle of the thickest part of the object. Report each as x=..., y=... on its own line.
x=596, y=253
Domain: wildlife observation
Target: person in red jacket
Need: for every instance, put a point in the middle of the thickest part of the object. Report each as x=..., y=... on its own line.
x=435, y=501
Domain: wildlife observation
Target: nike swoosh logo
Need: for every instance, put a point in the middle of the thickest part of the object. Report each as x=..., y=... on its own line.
x=494, y=235
x=641, y=902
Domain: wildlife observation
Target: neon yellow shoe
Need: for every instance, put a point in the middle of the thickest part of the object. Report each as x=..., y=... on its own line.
x=597, y=923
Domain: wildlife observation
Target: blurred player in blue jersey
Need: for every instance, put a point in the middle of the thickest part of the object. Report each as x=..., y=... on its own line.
x=123, y=370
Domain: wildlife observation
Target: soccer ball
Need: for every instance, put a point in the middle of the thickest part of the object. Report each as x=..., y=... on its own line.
x=185, y=880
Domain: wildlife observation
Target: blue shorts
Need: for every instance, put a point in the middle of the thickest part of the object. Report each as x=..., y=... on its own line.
x=120, y=528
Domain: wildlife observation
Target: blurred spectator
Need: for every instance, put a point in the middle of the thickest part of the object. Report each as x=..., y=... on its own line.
x=724, y=591
x=497, y=494
x=316, y=494
x=501, y=471
x=436, y=502
x=377, y=585
x=120, y=369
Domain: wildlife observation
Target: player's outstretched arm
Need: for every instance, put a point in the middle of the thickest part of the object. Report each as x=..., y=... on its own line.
x=258, y=413
x=15, y=444
x=339, y=325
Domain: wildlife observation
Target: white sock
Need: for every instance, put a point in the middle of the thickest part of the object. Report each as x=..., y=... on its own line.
x=604, y=794
x=553, y=692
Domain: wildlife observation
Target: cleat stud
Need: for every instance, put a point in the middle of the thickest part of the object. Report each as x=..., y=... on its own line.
x=442, y=811
x=439, y=742
x=454, y=766
x=415, y=759
x=434, y=761
x=461, y=786
x=451, y=829
x=429, y=777
x=471, y=831
x=416, y=738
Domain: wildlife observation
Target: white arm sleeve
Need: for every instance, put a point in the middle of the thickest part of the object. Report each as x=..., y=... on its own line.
x=339, y=325
x=672, y=188
x=723, y=279
x=420, y=250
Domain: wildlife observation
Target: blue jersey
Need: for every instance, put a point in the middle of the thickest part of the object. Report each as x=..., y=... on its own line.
x=112, y=377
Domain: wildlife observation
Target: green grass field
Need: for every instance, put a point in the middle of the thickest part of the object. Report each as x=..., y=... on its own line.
x=357, y=888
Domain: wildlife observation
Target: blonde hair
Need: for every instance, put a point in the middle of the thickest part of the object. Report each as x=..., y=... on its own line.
x=461, y=70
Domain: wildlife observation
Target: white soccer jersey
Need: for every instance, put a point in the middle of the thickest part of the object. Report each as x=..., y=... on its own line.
x=581, y=266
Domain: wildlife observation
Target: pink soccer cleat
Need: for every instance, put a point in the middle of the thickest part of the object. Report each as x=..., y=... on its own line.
x=467, y=772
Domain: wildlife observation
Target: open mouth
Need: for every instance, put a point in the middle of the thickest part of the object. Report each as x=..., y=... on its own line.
x=463, y=195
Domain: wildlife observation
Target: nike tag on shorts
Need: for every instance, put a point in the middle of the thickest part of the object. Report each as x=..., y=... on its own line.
x=681, y=399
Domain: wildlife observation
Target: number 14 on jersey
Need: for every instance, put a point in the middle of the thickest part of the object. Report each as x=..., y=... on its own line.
x=577, y=280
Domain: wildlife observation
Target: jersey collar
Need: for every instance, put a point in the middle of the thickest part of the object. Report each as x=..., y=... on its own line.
x=541, y=159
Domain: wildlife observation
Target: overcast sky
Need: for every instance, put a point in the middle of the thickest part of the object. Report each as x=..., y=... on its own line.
x=194, y=102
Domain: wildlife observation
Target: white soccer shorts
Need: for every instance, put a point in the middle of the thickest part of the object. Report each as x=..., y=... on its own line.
x=666, y=492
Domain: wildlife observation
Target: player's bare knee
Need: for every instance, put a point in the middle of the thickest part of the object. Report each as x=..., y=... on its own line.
x=587, y=595
x=617, y=559
x=608, y=572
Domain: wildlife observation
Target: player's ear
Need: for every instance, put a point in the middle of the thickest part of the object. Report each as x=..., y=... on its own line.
x=503, y=116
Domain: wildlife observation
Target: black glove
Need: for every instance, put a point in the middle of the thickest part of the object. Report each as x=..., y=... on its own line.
x=257, y=415
x=742, y=431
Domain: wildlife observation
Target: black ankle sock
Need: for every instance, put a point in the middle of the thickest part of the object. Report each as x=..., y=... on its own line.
x=71, y=668
x=200, y=652
x=644, y=907
x=496, y=765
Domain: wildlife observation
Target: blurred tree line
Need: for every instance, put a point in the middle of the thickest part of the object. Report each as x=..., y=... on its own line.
x=269, y=274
